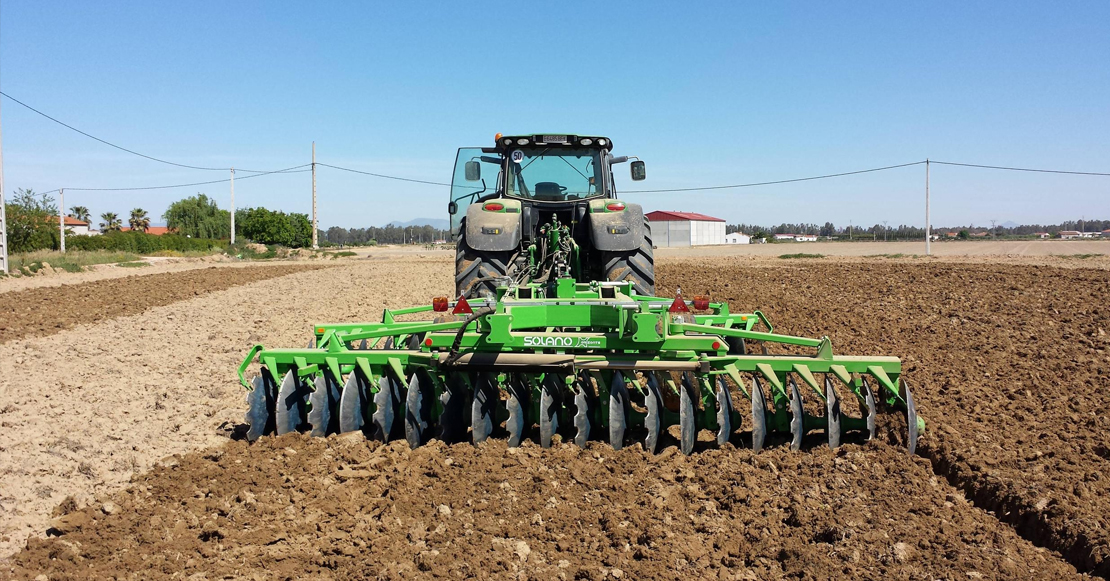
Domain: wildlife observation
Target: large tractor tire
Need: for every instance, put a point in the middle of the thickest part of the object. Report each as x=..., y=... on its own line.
x=637, y=266
x=477, y=272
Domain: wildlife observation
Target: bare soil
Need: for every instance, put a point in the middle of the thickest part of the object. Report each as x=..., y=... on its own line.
x=344, y=508
x=1008, y=363
x=46, y=310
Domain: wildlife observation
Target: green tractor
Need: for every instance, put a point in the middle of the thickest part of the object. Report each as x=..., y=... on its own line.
x=540, y=183
x=555, y=332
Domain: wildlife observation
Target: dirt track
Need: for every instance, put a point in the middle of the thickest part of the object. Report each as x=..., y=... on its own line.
x=992, y=351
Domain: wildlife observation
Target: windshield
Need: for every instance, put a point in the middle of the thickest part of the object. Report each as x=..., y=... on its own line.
x=554, y=174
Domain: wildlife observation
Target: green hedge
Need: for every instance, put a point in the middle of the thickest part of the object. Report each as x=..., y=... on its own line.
x=141, y=243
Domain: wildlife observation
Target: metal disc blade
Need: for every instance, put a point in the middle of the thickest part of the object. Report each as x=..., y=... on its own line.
x=481, y=408
x=312, y=343
x=618, y=411
x=550, y=402
x=382, y=418
x=759, y=416
x=258, y=408
x=515, y=405
x=290, y=405
x=388, y=343
x=416, y=423
x=911, y=417
x=581, y=418
x=351, y=405
x=797, y=415
x=832, y=411
x=872, y=410
x=362, y=345
x=319, y=416
x=653, y=421
x=724, y=412
x=452, y=422
x=686, y=419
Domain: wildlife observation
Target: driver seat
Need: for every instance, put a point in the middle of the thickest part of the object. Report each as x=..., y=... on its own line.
x=549, y=192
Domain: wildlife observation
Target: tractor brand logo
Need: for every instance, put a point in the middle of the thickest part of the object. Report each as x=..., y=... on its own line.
x=557, y=341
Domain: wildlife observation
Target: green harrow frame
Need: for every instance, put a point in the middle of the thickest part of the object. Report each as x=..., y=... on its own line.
x=584, y=360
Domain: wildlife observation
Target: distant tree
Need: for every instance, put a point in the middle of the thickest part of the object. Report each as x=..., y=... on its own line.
x=110, y=222
x=81, y=213
x=139, y=220
x=30, y=224
x=964, y=234
x=270, y=227
x=828, y=229
x=198, y=216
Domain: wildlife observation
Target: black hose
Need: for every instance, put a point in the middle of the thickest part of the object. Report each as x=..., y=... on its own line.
x=454, y=353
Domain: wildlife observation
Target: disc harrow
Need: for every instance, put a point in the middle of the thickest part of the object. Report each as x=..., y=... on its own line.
x=575, y=362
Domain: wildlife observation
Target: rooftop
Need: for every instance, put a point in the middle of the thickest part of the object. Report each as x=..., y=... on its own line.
x=666, y=216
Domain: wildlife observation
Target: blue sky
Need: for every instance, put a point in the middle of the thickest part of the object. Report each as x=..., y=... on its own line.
x=714, y=94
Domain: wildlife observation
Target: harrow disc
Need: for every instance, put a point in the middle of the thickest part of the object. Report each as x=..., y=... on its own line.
x=618, y=411
x=653, y=420
x=453, y=420
x=481, y=407
x=551, y=401
x=324, y=400
x=759, y=416
x=911, y=417
x=387, y=404
x=352, y=403
x=687, y=421
x=260, y=406
x=291, y=404
x=581, y=416
x=724, y=412
x=872, y=411
x=797, y=416
x=417, y=408
x=832, y=411
x=516, y=406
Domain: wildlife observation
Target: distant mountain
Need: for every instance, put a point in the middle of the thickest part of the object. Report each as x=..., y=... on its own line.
x=1009, y=224
x=438, y=223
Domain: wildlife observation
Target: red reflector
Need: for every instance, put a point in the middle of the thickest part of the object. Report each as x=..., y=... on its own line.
x=615, y=207
x=319, y=329
x=701, y=302
x=679, y=305
x=716, y=345
x=439, y=304
x=462, y=307
x=494, y=207
x=428, y=342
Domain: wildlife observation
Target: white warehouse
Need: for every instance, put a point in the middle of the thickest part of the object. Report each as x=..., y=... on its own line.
x=685, y=229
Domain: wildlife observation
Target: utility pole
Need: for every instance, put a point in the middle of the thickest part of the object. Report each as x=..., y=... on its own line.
x=3, y=218
x=62, y=220
x=884, y=230
x=928, y=234
x=233, y=205
x=315, y=242
x=993, y=222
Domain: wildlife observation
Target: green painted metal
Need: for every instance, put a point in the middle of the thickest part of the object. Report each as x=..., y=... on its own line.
x=583, y=333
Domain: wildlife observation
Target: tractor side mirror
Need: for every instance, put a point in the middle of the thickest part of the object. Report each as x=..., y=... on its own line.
x=639, y=171
x=473, y=171
x=452, y=208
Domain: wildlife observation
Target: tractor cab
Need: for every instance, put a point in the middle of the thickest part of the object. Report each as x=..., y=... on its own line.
x=553, y=174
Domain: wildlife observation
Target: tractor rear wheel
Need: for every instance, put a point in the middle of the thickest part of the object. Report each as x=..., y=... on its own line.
x=477, y=272
x=636, y=266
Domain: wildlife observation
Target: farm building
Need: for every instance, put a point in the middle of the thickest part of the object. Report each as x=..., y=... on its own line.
x=1041, y=235
x=685, y=229
x=738, y=238
x=75, y=226
x=1069, y=234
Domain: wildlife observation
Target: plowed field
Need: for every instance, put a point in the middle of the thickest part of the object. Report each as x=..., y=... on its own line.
x=1009, y=365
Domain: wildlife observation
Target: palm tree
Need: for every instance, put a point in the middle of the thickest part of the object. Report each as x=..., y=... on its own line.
x=111, y=222
x=139, y=220
x=81, y=213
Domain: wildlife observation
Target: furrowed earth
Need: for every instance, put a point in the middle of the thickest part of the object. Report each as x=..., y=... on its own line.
x=116, y=456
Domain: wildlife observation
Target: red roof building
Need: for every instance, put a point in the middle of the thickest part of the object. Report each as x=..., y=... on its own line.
x=152, y=230
x=685, y=229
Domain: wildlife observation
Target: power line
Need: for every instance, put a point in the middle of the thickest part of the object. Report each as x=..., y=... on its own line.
x=110, y=144
x=1081, y=173
x=294, y=169
x=388, y=177
x=754, y=184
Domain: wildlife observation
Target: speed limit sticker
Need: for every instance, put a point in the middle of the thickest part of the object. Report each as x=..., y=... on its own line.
x=517, y=156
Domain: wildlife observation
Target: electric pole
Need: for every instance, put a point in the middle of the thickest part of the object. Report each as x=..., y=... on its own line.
x=233, y=205
x=62, y=219
x=884, y=230
x=928, y=234
x=3, y=218
x=315, y=242
x=993, y=222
